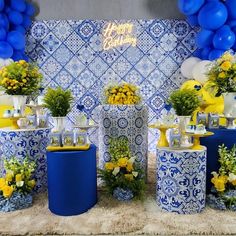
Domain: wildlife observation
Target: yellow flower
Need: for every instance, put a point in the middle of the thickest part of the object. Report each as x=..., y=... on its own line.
x=219, y=182
x=7, y=191
x=227, y=57
x=129, y=167
x=129, y=177
x=31, y=183
x=2, y=183
x=226, y=65
x=9, y=176
x=222, y=75
x=109, y=166
x=18, y=177
x=122, y=162
x=22, y=62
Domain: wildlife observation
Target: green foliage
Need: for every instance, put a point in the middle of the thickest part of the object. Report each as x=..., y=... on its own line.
x=119, y=147
x=184, y=101
x=227, y=160
x=58, y=101
x=24, y=170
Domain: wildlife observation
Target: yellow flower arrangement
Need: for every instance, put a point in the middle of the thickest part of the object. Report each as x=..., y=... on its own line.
x=20, y=78
x=219, y=182
x=123, y=94
x=18, y=177
x=222, y=75
x=122, y=171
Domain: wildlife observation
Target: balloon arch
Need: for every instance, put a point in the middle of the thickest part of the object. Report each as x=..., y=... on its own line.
x=15, y=19
x=217, y=20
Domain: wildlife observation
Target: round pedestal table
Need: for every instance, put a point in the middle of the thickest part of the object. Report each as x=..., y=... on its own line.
x=22, y=143
x=72, y=181
x=181, y=180
x=226, y=136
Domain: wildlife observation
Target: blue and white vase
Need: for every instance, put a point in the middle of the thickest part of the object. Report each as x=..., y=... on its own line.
x=17, y=201
x=129, y=121
x=123, y=194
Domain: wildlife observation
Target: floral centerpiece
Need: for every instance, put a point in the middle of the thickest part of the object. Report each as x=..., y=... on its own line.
x=222, y=81
x=122, y=176
x=17, y=184
x=20, y=79
x=224, y=191
x=122, y=94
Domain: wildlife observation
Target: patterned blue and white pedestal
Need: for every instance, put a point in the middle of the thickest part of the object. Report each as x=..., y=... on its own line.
x=181, y=180
x=124, y=120
x=26, y=143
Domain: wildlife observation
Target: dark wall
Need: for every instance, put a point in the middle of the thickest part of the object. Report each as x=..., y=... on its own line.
x=107, y=9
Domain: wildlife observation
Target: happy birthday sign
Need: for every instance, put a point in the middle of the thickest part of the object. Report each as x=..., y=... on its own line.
x=117, y=35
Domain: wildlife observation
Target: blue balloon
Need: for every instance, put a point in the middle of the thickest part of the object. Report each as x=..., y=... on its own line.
x=30, y=9
x=26, y=21
x=205, y=53
x=3, y=33
x=19, y=28
x=16, y=39
x=18, y=5
x=2, y=5
x=204, y=38
x=17, y=55
x=212, y=15
x=231, y=23
x=4, y=21
x=224, y=38
x=192, y=20
x=197, y=53
x=6, y=50
x=231, y=6
x=7, y=9
x=15, y=17
x=215, y=54
x=190, y=7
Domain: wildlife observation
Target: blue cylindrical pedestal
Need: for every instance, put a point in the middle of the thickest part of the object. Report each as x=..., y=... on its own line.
x=221, y=136
x=72, y=181
x=181, y=180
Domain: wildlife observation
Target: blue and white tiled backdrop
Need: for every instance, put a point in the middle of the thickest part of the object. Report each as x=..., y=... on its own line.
x=70, y=55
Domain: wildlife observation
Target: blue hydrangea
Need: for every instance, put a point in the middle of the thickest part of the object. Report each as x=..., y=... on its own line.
x=17, y=201
x=123, y=194
x=216, y=202
x=230, y=194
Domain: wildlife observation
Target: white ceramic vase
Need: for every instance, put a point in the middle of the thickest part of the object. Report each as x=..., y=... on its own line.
x=183, y=122
x=19, y=102
x=59, y=124
x=229, y=104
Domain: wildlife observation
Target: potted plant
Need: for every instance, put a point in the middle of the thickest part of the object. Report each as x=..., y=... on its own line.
x=20, y=79
x=124, y=179
x=123, y=114
x=223, y=194
x=222, y=81
x=184, y=102
x=58, y=102
x=17, y=185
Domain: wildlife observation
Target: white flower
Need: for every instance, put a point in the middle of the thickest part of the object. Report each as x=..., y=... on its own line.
x=232, y=177
x=116, y=171
x=135, y=173
x=215, y=174
x=19, y=183
x=132, y=160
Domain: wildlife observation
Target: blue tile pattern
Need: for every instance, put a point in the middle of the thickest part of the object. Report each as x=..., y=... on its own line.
x=70, y=55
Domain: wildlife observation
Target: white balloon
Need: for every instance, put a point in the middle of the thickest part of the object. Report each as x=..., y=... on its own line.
x=8, y=61
x=187, y=67
x=200, y=71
